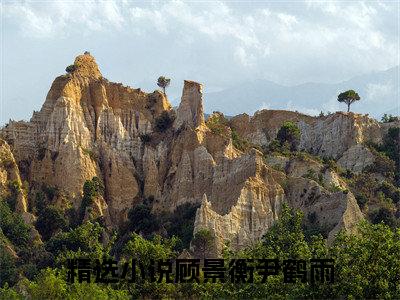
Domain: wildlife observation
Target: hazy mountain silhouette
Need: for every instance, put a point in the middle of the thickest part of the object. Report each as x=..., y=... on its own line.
x=379, y=94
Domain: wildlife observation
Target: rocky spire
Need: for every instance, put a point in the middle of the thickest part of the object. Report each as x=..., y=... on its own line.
x=190, y=111
x=86, y=66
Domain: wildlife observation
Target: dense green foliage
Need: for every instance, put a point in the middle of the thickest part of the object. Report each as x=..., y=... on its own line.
x=12, y=226
x=91, y=188
x=367, y=265
x=179, y=224
x=50, y=220
x=203, y=242
x=289, y=133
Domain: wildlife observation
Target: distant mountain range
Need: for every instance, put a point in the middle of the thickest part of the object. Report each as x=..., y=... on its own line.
x=379, y=92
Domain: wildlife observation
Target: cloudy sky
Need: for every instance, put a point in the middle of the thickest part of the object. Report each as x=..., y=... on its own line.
x=220, y=44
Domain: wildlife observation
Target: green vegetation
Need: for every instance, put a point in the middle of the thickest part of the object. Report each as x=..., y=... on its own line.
x=218, y=124
x=50, y=220
x=15, y=189
x=203, y=242
x=238, y=142
x=348, y=97
x=70, y=69
x=142, y=220
x=287, y=142
x=289, y=133
x=387, y=155
x=367, y=265
x=163, y=82
x=179, y=224
x=12, y=226
x=85, y=239
x=389, y=118
x=91, y=189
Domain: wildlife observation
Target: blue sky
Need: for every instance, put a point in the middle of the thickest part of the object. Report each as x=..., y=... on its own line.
x=218, y=43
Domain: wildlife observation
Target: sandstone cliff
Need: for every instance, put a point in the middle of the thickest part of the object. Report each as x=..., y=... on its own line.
x=141, y=149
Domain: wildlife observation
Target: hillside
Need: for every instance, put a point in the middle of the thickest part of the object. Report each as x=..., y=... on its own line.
x=103, y=153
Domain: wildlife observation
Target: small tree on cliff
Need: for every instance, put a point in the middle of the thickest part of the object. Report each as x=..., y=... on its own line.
x=163, y=82
x=348, y=97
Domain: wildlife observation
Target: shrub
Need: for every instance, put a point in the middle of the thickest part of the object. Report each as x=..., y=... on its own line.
x=9, y=272
x=85, y=238
x=142, y=220
x=50, y=191
x=289, y=132
x=70, y=69
x=163, y=122
x=331, y=164
x=204, y=243
x=389, y=118
x=13, y=227
x=91, y=189
x=384, y=215
x=40, y=201
x=362, y=200
x=50, y=220
x=181, y=224
x=238, y=142
x=382, y=164
x=390, y=191
x=217, y=123
x=90, y=153
x=390, y=148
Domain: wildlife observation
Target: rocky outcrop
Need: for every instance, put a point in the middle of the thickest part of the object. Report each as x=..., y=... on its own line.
x=356, y=158
x=251, y=208
x=11, y=187
x=90, y=127
x=87, y=127
x=328, y=136
x=190, y=111
x=330, y=211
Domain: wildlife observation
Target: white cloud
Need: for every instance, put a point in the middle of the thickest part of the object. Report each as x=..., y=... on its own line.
x=306, y=41
x=287, y=20
x=244, y=58
x=61, y=17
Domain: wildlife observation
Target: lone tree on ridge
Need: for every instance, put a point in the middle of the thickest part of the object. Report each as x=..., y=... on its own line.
x=163, y=82
x=348, y=97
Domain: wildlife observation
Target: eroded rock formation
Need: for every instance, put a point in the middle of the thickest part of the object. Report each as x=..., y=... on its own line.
x=90, y=127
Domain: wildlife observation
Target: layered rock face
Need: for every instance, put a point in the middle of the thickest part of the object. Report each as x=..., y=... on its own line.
x=339, y=136
x=91, y=127
x=87, y=127
x=11, y=186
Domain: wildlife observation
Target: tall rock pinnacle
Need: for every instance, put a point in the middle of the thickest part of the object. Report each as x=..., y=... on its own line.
x=190, y=111
x=86, y=66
